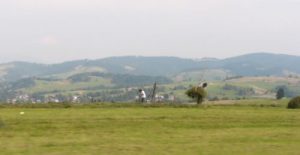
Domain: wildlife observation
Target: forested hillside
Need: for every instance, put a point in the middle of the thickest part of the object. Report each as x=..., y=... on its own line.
x=118, y=78
x=247, y=65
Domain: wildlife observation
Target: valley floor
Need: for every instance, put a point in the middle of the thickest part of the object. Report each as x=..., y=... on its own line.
x=210, y=129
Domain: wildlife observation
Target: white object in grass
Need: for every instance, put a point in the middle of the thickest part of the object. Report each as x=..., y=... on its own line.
x=22, y=113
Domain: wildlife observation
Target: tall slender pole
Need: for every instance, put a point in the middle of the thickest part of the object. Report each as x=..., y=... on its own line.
x=153, y=92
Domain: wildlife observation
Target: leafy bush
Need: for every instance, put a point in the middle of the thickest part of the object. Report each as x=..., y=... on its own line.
x=197, y=93
x=294, y=103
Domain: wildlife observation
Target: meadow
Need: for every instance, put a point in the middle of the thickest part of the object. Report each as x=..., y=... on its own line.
x=214, y=128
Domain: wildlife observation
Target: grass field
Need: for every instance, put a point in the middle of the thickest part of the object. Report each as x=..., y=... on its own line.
x=243, y=127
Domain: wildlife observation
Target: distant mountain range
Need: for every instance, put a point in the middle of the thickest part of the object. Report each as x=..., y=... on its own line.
x=118, y=78
x=257, y=64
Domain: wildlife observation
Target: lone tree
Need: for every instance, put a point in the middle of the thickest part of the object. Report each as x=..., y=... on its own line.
x=280, y=93
x=197, y=93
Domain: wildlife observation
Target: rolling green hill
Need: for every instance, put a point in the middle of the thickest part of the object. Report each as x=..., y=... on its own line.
x=110, y=86
x=247, y=76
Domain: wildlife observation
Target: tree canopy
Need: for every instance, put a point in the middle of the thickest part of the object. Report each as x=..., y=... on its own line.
x=197, y=93
x=280, y=93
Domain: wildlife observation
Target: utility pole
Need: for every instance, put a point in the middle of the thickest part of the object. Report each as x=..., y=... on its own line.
x=153, y=92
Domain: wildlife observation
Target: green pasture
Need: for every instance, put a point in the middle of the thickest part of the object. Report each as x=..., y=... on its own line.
x=65, y=85
x=215, y=128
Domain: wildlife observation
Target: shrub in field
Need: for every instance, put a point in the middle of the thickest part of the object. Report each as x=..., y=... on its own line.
x=197, y=93
x=294, y=103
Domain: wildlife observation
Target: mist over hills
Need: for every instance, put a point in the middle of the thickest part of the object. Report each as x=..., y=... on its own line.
x=257, y=64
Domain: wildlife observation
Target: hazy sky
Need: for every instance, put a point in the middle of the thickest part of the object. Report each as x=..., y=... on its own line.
x=58, y=30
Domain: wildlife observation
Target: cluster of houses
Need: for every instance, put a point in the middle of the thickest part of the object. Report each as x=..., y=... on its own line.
x=160, y=98
x=25, y=98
